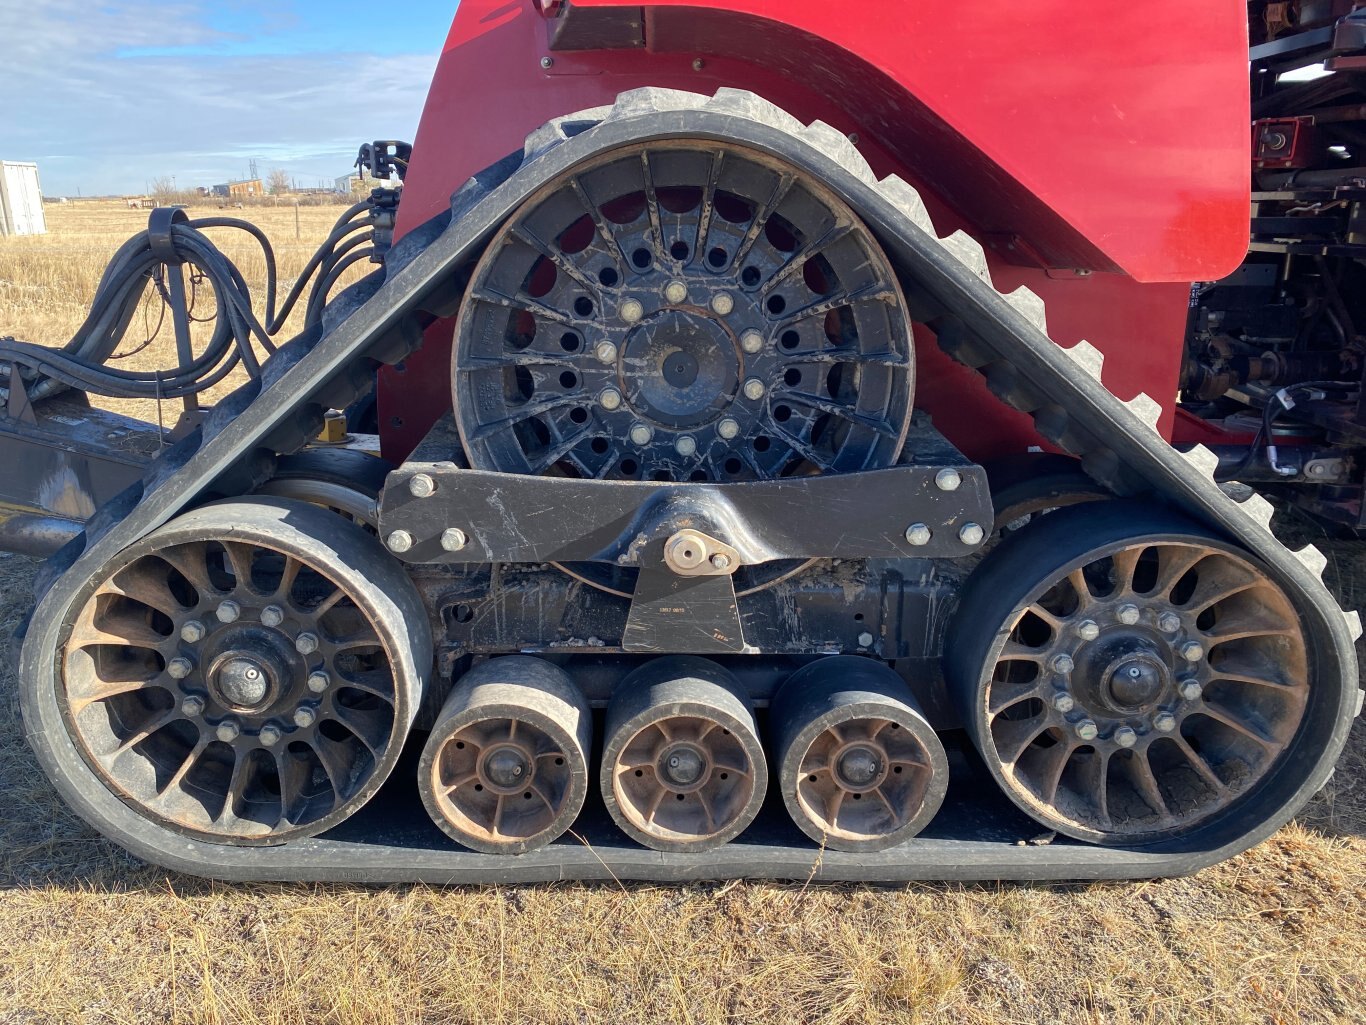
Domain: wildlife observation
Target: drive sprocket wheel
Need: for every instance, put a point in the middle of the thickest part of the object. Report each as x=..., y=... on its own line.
x=246, y=674
x=1129, y=677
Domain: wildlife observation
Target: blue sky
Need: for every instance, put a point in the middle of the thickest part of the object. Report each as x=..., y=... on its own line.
x=113, y=94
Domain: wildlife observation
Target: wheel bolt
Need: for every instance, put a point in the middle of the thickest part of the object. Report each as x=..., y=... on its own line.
x=399, y=541
x=1087, y=730
x=192, y=705
x=971, y=534
x=685, y=446
x=304, y=717
x=609, y=399
x=306, y=643
x=1169, y=622
x=722, y=304
x=675, y=291
x=918, y=534
x=1191, y=690
x=421, y=485
x=1063, y=664
x=728, y=428
x=192, y=632
x=1126, y=737
x=751, y=341
x=631, y=311
x=179, y=668
x=865, y=640
x=1191, y=651
x=228, y=611
x=1063, y=702
x=606, y=352
x=228, y=731
x=948, y=479
x=453, y=539
x=318, y=681
x=641, y=434
x=1088, y=629
x=1164, y=721
x=720, y=561
x=754, y=389
x=270, y=735
x=1127, y=614
x=272, y=615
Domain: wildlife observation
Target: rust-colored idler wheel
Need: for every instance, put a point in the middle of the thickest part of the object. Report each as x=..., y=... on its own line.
x=859, y=766
x=682, y=766
x=505, y=770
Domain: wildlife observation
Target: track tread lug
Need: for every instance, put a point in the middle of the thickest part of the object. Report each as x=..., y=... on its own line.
x=756, y=108
x=969, y=252
x=1312, y=559
x=1029, y=305
x=1202, y=459
x=907, y=199
x=1259, y=510
x=836, y=145
x=1089, y=359
x=1353, y=619
x=1146, y=408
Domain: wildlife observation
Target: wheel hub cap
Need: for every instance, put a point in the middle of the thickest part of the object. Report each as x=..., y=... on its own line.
x=507, y=768
x=859, y=767
x=683, y=767
x=1136, y=682
x=680, y=368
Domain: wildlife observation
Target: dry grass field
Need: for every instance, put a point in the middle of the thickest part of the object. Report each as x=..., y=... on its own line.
x=88, y=935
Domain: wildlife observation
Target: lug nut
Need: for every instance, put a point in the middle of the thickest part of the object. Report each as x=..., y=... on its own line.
x=722, y=304
x=192, y=632
x=1191, y=690
x=948, y=479
x=754, y=389
x=453, y=539
x=1087, y=730
x=971, y=534
x=685, y=446
x=631, y=311
x=318, y=681
x=228, y=611
x=421, y=485
x=1088, y=629
x=228, y=731
x=179, y=668
x=1169, y=622
x=720, y=561
x=272, y=615
x=192, y=705
x=270, y=735
x=728, y=428
x=641, y=434
x=606, y=352
x=865, y=639
x=305, y=716
x=1063, y=664
x=1126, y=737
x=1191, y=651
x=1127, y=614
x=751, y=341
x=306, y=643
x=609, y=399
x=1164, y=721
x=918, y=534
x=1063, y=702
x=399, y=541
x=675, y=292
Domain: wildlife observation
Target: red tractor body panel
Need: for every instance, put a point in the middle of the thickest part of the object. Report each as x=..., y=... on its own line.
x=1066, y=140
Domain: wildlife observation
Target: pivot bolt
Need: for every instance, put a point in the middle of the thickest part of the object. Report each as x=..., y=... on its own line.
x=1063, y=702
x=1191, y=651
x=1127, y=614
x=720, y=561
x=865, y=639
x=631, y=311
x=722, y=304
x=641, y=434
x=676, y=292
x=1125, y=737
x=305, y=716
x=754, y=389
x=547, y=62
x=752, y=341
x=318, y=681
x=1087, y=730
x=918, y=534
x=971, y=534
x=272, y=615
x=179, y=668
x=270, y=735
x=1088, y=629
x=306, y=643
x=1164, y=722
x=453, y=539
x=606, y=352
x=1063, y=664
x=1169, y=622
x=686, y=445
x=728, y=428
x=948, y=479
x=609, y=399
x=1191, y=690
x=192, y=632
x=399, y=541
x=228, y=731
x=421, y=485
x=228, y=611
x=192, y=705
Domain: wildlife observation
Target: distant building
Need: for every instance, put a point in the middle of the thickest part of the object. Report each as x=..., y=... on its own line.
x=247, y=188
x=21, y=200
x=347, y=183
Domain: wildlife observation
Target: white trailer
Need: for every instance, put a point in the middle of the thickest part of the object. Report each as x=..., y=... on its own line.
x=21, y=200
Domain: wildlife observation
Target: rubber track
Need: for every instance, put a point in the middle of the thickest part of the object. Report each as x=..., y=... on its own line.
x=948, y=284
